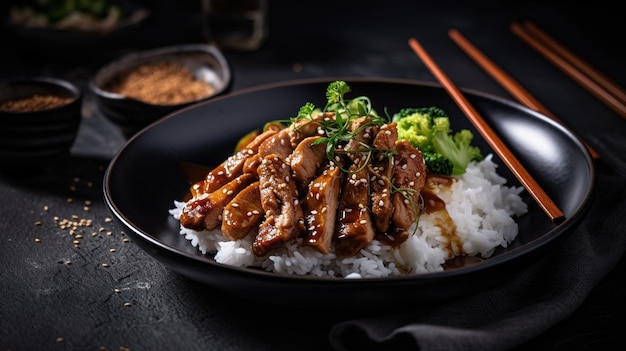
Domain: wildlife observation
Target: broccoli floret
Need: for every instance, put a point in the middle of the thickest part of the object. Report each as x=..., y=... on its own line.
x=417, y=125
x=436, y=163
x=428, y=129
x=457, y=148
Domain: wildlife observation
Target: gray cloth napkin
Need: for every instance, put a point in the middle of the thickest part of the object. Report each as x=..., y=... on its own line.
x=519, y=310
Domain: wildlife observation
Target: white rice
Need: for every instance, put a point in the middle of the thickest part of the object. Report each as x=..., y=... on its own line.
x=480, y=203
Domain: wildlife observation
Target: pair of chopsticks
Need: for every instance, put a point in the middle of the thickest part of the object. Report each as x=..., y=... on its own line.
x=513, y=87
x=535, y=190
x=606, y=90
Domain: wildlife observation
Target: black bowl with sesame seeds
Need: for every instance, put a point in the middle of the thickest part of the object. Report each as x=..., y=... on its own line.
x=139, y=88
x=39, y=121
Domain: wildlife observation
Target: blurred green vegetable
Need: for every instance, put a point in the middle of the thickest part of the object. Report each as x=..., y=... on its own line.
x=56, y=10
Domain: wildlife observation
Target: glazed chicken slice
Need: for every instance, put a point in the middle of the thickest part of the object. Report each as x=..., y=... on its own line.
x=243, y=213
x=205, y=212
x=320, y=208
x=380, y=176
x=354, y=225
x=283, y=143
x=364, y=133
x=279, y=199
x=409, y=176
x=231, y=168
x=306, y=160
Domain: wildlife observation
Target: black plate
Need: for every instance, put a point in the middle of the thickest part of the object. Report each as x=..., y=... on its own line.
x=152, y=170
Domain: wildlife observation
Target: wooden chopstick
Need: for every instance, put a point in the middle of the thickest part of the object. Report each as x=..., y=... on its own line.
x=505, y=80
x=609, y=85
x=584, y=80
x=535, y=190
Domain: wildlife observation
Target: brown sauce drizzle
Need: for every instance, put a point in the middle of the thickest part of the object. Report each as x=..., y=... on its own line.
x=461, y=261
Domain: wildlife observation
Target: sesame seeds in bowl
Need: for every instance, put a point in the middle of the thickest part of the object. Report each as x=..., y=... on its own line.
x=141, y=87
x=39, y=121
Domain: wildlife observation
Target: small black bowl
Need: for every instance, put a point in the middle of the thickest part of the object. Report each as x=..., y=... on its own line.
x=39, y=121
x=205, y=62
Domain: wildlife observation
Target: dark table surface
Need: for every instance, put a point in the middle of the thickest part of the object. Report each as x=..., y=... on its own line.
x=58, y=296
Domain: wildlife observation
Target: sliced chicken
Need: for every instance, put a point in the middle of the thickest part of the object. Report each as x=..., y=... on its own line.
x=364, y=132
x=205, y=212
x=381, y=171
x=306, y=160
x=320, y=208
x=354, y=225
x=409, y=176
x=231, y=168
x=279, y=199
x=243, y=214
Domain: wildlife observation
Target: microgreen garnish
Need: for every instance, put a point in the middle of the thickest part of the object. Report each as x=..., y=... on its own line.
x=336, y=131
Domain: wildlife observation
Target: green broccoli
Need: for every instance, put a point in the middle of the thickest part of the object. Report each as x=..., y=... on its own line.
x=437, y=163
x=457, y=148
x=428, y=129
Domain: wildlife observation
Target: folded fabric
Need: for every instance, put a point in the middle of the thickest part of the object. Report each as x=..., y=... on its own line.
x=517, y=311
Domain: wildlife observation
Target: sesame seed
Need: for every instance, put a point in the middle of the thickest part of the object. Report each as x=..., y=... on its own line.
x=117, y=291
x=59, y=339
x=127, y=304
x=105, y=265
x=37, y=240
x=38, y=223
x=112, y=250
